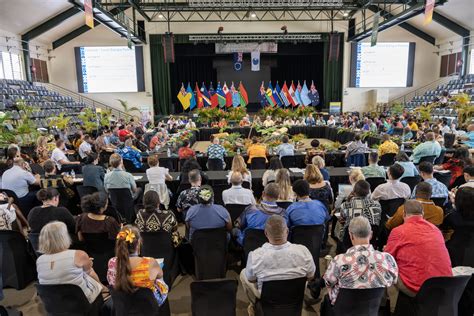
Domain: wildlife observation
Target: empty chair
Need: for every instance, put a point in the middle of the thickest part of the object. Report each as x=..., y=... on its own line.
x=84, y=190
x=210, y=250
x=281, y=298
x=235, y=210
x=375, y=182
x=213, y=297
x=215, y=164
x=101, y=248
x=67, y=299
x=428, y=159
x=142, y=302
x=387, y=160
x=18, y=266
x=357, y=302
x=389, y=207
x=437, y=296
x=122, y=200
x=253, y=239
x=258, y=163
x=443, y=177
x=411, y=181
x=288, y=161
x=130, y=167
x=311, y=237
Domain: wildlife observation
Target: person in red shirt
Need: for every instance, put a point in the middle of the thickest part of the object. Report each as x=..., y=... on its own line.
x=419, y=250
x=185, y=152
x=456, y=164
x=125, y=133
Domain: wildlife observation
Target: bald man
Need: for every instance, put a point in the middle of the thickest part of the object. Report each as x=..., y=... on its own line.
x=237, y=194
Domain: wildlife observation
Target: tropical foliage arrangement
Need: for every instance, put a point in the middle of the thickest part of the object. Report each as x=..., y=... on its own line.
x=462, y=104
x=6, y=136
x=128, y=109
x=26, y=132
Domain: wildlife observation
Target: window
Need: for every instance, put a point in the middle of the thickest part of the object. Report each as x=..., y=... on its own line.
x=11, y=66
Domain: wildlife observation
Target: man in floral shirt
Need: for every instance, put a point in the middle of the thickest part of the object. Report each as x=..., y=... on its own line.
x=216, y=150
x=361, y=267
x=189, y=197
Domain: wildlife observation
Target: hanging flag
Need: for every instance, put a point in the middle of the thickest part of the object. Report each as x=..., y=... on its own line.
x=244, y=98
x=334, y=40
x=313, y=94
x=284, y=94
x=429, y=8
x=192, y=101
x=262, y=96
x=89, y=13
x=184, y=97
x=255, y=57
x=292, y=97
x=304, y=94
x=298, y=94
x=199, y=98
x=205, y=95
x=214, y=97
x=276, y=95
x=235, y=96
x=220, y=95
x=375, y=30
x=238, y=60
x=228, y=95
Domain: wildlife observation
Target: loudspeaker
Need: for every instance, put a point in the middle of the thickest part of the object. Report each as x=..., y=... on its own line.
x=141, y=29
x=168, y=47
x=352, y=28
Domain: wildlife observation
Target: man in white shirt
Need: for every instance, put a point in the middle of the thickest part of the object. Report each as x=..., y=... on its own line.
x=277, y=259
x=237, y=194
x=393, y=189
x=62, y=161
x=190, y=124
x=86, y=147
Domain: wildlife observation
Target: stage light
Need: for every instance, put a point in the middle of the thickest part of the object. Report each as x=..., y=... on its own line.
x=284, y=29
x=345, y=14
x=161, y=16
x=220, y=30
x=253, y=15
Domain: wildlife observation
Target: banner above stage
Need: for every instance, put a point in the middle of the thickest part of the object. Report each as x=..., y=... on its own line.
x=229, y=48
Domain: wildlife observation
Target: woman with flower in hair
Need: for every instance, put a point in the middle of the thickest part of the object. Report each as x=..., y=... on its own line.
x=206, y=214
x=128, y=271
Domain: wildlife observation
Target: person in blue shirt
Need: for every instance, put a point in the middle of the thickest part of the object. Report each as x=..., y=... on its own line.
x=306, y=211
x=129, y=153
x=409, y=167
x=255, y=216
x=285, y=149
x=310, y=121
x=438, y=189
x=468, y=138
x=429, y=148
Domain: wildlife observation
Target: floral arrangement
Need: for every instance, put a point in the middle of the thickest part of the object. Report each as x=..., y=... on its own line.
x=207, y=115
x=235, y=114
x=330, y=146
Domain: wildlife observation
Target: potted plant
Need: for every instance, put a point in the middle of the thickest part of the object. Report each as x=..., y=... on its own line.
x=127, y=109
x=464, y=109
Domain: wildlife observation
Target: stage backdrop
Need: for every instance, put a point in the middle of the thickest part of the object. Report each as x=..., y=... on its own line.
x=199, y=63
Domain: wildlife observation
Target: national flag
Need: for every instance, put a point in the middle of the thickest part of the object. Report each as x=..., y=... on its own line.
x=269, y=95
x=277, y=96
x=284, y=94
x=214, y=97
x=192, y=101
x=298, y=94
x=304, y=94
x=292, y=90
x=220, y=95
x=199, y=98
x=262, y=96
x=238, y=59
x=228, y=95
x=235, y=96
x=184, y=97
x=291, y=93
x=274, y=94
x=244, y=98
x=205, y=95
x=313, y=94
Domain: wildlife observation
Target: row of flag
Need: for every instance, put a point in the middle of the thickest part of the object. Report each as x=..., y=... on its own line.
x=288, y=95
x=222, y=96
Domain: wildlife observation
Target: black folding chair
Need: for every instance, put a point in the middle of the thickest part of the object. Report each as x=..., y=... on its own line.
x=67, y=299
x=428, y=159
x=18, y=264
x=122, y=200
x=437, y=296
x=281, y=298
x=288, y=161
x=130, y=167
x=258, y=163
x=84, y=190
x=33, y=238
x=358, y=302
x=218, y=189
x=213, y=297
x=37, y=169
x=411, y=181
x=389, y=207
x=375, y=182
x=440, y=201
x=310, y=236
x=101, y=248
x=443, y=177
x=357, y=160
x=253, y=239
x=235, y=210
x=210, y=250
x=142, y=302
x=215, y=164
x=387, y=160
x=160, y=245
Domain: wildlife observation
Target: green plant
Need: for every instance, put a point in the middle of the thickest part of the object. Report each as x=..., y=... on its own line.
x=104, y=117
x=424, y=111
x=396, y=108
x=60, y=122
x=6, y=136
x=26, y=132
x=127, y=109
x=89, y=120
x=462, y=104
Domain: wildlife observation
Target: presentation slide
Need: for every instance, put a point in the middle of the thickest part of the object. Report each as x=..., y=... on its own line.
x=109, y=69
x=385, y=65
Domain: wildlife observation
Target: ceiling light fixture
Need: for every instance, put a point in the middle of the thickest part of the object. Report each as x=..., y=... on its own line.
x=253, y=15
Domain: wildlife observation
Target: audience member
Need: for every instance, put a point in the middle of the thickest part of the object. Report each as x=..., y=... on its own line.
x=419, y=250
x=128, y=271
x=10, y=214
x=93, y=220
x=284, y=183
x=355, y=175
x=216, y=151
x=456, y=164
x=118, y=178
x=388, y=146
x=319, y=162
x=285, y=149
x=356, y=147
x=438, y=189
x=239, y=166
x=432, y=213
x=270, y=174
x=373, y=170
x=62, y=161
x=409, y=167
x=468, y=177
x=157, y=177
x=318, y=188
x=237, y=194
x=394, y=188
x=306, y=211
x=256, y=150
x=86, y=146
x=429, y=148
x=314, y=151
x=206, y=214
x=189, y=197
x=407, y=134
x=255, y=216
x=278, y=259
x=59, y=265
x=268, y=122
x=128, y=152
x=191, y=164
x=93, y=174
x=49, y=211
x=185, y=151
x=369, y=268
